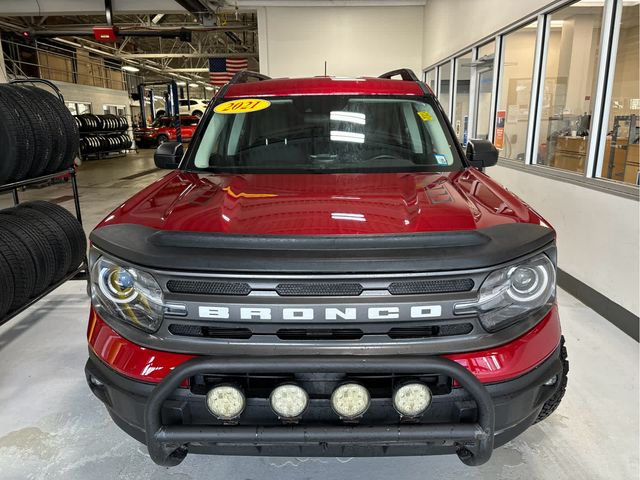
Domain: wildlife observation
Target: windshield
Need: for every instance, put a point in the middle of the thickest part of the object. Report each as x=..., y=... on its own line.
x=325, y=134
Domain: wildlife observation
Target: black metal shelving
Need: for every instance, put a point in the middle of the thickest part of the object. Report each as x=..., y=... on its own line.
x=81, y=272
x=15, y=186
x=109, y=152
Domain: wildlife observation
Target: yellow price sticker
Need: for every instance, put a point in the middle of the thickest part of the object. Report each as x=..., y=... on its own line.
x=243, y=105
x=425, y=116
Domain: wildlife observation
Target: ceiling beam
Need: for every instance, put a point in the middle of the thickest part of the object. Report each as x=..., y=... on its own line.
x=133, y=56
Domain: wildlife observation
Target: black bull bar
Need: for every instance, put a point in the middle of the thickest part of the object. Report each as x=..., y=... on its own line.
x=168, y=444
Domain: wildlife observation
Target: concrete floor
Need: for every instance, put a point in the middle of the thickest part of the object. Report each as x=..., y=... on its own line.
x=52, y=427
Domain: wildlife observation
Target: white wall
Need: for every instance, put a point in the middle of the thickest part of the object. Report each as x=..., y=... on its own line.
x=450, y=25
x=355, y=41
x=597, y=232
x=97, y=96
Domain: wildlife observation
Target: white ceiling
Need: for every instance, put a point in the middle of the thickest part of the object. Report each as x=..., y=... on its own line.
x=93, y=7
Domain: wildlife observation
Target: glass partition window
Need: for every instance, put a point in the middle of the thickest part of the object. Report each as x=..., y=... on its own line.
x=621, y=156
x=430, y=79
x=444, y=87
x=461, y=107
x=484, y=87
x=114, y=109
x=78, y=108
x=569, y=86
x=512, y=115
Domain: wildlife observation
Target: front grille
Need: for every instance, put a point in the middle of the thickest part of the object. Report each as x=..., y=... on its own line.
x=201, y=287
x=398, y=333
x=319, y=289
x=320, y=334
x=431, y=286
x=210, y=332
x=302, y=334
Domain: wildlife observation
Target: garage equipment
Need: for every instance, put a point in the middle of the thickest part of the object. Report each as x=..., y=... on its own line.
x=171, y=101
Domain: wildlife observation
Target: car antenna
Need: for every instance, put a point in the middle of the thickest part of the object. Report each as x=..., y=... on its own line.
x=325, y=68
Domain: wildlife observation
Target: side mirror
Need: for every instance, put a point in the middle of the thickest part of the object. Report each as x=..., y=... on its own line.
x=168, y=155
x=481, y=153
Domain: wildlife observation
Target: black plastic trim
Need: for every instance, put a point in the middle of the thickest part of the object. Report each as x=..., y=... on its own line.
x=424, y=252
x=517, y=404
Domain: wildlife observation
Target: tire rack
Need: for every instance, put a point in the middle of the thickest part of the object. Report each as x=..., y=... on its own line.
x=81, y=272
x=102, y=154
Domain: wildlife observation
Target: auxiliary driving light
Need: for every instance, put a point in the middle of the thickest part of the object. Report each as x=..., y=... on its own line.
x=225, y=402
x=289, y=401
x=350, y=400
x=412, y=399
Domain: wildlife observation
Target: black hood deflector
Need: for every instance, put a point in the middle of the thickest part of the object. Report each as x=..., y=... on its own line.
x=342, y=254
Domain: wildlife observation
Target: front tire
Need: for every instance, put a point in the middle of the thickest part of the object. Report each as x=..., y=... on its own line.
x=553, y=403
x=197, y=113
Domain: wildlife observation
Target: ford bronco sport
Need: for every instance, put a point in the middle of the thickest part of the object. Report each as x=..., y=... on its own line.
x=325, y=272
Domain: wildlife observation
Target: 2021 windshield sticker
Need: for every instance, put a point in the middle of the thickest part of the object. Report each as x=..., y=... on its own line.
x=243, y=105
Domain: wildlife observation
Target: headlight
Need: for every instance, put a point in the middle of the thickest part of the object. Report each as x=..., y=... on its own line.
x=511, y=293
x=126, y=293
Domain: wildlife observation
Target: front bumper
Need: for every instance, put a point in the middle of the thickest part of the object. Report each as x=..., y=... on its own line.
x=469, y=420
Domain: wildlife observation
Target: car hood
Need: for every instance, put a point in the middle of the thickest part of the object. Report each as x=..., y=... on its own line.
x=323, y=204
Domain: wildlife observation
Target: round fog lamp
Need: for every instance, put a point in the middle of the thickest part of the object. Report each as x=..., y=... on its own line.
x=350, y=400
x=225, y=402
x=412, y=399
x=289, y=401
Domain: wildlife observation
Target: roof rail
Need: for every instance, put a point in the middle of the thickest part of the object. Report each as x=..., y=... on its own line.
x=405, y=73
x=244, y=75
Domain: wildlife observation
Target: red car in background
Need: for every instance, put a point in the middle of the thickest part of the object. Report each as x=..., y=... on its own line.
x=163, y=130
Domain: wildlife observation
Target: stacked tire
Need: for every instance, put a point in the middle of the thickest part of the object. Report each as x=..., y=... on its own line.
x=89, y=123
x=110, y=142
x=38, y=134
x=40, y=243
x=102, y=133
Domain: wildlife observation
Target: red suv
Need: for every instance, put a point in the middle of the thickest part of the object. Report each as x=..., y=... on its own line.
x=163, y=130
x=325, y=272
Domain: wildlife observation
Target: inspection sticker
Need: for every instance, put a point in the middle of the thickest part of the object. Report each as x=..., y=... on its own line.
x=243, y=105
x=425, y=116
x=441, y=159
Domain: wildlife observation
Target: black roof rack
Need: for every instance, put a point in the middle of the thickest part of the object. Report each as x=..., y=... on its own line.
x=244, y=76
x=405, y=73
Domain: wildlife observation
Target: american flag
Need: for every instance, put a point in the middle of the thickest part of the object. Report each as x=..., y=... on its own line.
x=222, y=69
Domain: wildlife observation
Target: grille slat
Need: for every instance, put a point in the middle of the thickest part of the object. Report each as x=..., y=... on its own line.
x=200, y=287
x=320, y=334
x=210, y=332
x=431, y=286
x=319, y=289
x=398, y=333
